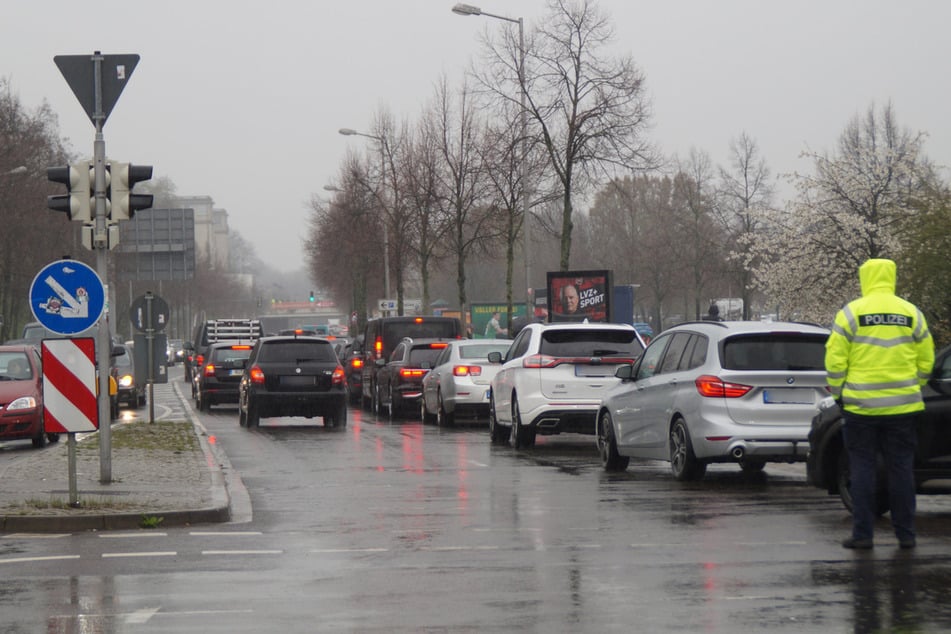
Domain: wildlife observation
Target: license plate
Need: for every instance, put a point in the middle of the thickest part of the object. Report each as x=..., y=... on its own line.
x=235, y=372
x=485, y=397
x=788, y=396
x=298, y=380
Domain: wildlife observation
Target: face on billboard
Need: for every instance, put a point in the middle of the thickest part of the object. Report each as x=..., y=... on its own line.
x=576, y=296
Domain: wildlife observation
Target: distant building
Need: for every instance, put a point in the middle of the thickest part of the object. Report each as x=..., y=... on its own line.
x=211, y=230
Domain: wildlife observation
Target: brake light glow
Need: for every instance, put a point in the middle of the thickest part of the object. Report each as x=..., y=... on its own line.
x=438, y=346
x=356, y=363
x=338, y=377
x=541, y=361
x=378, y=347
x=256, y=374
x=467, y=370
x=240, y=347
x=418, y=320
x=714, y=387
x=210, y=369
x=200, y=360
x=411, y=373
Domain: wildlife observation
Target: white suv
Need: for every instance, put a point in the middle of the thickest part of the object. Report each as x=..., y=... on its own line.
x=553, y=377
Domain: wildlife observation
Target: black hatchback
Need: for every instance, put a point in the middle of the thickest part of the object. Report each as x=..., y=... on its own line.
x=293, y=376
x=217, y=380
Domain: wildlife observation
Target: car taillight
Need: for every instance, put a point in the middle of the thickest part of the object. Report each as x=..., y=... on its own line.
x=713, y=386
x=338, y=377
x=467, y=370
x=411, y=373
x=256, y=374
x=210, y=369
x=540, y=361
x=356, y=363
x=200, y=360
x=378, y=348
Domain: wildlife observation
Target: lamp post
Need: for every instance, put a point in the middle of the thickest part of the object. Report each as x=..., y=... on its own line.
x=468, y=9
x=386, y=223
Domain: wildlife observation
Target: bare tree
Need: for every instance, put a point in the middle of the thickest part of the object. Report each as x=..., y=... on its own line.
x=744, y=187
x=588, y=110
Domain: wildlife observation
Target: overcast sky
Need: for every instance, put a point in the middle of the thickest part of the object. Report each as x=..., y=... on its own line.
x=241, y=101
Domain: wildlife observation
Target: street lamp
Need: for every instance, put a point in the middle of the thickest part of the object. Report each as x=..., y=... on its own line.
x=386, y=223
x=468, y=9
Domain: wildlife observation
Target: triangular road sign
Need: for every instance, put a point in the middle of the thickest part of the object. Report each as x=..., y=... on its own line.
x=80, y=74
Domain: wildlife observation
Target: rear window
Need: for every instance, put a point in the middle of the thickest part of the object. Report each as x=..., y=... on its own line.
x=296, y=350
x=230, y=355
x=481, y=351
x=423, y=357
x=775, y=351
x=395, y=332
x=591, y=343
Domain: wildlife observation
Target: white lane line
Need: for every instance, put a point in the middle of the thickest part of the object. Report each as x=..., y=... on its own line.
x=154, y=553
x=224, y=533
x=36, y=535
x=242, y=552
x=142, y=616
x=477, y=463
x=348, y=550
x=19, y=560
x=127, y=535
x=457, y=548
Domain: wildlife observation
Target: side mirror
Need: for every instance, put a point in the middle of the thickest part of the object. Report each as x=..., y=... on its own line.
x=380, y=362
x=495, y=357
x=625, y=372
x=116, y=351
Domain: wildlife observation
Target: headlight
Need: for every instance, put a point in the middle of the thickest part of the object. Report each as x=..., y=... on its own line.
x=24, y=402
x=126, y=380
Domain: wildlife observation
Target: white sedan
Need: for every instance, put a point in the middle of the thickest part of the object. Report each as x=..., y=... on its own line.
x=460, y=379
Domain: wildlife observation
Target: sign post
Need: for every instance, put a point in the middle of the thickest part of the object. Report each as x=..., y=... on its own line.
x=97, y=80
x=69, y=394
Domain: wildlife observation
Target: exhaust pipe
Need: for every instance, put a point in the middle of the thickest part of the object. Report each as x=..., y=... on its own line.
x=738, y=452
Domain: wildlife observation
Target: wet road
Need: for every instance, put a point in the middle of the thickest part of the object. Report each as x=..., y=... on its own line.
x=396, y=526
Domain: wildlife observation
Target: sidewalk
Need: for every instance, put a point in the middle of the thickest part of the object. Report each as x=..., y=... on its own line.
x=161, y=476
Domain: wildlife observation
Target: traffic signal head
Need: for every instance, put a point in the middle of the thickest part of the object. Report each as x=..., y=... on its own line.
x=78, y=203
x=122, y=178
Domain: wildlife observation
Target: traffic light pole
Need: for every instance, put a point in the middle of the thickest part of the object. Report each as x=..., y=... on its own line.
x=100, y=241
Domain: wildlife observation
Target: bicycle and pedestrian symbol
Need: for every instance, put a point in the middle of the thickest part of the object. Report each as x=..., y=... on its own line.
x=67, y=297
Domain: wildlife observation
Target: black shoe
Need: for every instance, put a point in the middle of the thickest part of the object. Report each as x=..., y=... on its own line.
x=858, y=544
x=907, y=543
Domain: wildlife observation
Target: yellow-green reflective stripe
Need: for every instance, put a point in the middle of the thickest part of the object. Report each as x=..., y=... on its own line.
x=883, y=343
x=883, y=401
x=887, y=385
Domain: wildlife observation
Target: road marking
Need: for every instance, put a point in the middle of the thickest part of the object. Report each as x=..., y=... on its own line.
x=125, y=535
x=36, y=535
x=154, y=553
x=348, y=550
x=224, y=533
x=456, y=548
x=242, y=552
x=142, y=616
x=20, y=560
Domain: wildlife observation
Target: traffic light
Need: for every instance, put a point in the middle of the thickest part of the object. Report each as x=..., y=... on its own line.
x=312, y=296
x=122, y=178
x=78, y=203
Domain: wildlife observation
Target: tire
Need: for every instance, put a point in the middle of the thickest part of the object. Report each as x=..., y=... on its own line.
x=254, y=417
x=611, y=460
x=338, y=420
x=39, y=440
x=424, y=414
x=443, y=418
x=242, y=417
x=844, y=480
x=520, y=437
x=51, y=438
x=497, y=435
x=683, y=463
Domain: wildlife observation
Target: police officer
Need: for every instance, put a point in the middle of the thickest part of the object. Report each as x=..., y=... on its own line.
x=878, y=356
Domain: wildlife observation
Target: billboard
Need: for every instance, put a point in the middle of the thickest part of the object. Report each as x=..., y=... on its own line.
x=480, y=313
x=579, y=296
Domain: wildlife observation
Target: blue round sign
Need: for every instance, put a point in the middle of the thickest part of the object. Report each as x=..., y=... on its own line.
x=67, y=297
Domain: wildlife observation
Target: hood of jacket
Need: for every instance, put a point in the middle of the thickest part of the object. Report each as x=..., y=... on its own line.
x=877, y=275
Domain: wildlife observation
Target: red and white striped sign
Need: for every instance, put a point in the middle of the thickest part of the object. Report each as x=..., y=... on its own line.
x=69, y=385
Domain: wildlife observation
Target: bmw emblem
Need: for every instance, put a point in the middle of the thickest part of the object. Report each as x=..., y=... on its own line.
x=790, y=380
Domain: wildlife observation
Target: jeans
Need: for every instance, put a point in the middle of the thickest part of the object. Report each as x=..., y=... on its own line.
x=894, y=437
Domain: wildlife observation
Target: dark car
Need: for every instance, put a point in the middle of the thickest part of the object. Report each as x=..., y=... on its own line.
x=217, y=380
x=827, y=465
x=293, y=376
x=399, y=381
x=381, y=336
x=130, y=390
x=351, y=357
x=21, y=395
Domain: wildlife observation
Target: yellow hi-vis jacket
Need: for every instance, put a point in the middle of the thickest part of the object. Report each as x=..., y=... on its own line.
x=880, y=351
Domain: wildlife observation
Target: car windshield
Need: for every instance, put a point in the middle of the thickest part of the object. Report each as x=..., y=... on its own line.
x=775, y=351
x=16, y=367
x=296, y=350
x=590, y=343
